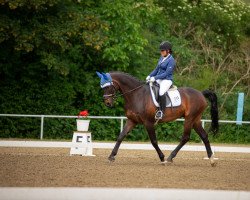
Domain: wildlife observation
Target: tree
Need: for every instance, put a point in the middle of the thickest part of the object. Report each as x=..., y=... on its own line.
x=50, y=50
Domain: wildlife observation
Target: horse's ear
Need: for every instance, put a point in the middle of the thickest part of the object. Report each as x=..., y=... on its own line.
x=105, y=76
x=99, y=74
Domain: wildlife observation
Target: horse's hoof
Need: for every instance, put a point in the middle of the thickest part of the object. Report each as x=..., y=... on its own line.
x=212, y=161
x=166, y=162
x=163, y=163
x=111, y=159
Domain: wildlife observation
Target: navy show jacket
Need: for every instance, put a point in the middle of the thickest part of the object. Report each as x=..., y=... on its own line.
x=164, y=68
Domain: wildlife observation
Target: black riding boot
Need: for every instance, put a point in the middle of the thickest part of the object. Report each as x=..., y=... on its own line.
x=162, y=102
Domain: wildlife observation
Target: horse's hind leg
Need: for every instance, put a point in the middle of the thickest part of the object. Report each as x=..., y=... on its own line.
x=151, y=132
x=185, y=138
x=204, y=137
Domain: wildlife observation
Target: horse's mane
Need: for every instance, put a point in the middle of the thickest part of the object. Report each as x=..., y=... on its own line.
x=128, y=75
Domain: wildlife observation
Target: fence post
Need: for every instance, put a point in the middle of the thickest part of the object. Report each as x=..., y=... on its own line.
x=203, y=124
x=121, y=125
x=42, y=122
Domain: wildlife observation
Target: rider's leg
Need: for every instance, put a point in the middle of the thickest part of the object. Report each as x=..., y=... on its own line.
x=164, y=86
x=162, y=100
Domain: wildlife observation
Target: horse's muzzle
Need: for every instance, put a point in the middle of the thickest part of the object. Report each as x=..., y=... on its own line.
x=109, y=104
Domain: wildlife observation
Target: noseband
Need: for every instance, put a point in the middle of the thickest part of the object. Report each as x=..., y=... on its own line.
x=113, y=96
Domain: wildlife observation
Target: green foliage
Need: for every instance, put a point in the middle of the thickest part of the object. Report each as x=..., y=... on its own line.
x=124, y=33
x=233, y=134
x=50, y=50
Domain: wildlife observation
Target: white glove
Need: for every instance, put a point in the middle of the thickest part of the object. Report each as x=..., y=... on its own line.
x=148, y=78
x=152, y=79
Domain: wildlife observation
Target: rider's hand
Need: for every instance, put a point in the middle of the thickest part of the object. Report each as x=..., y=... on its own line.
x=148, y=78
x=152, y=79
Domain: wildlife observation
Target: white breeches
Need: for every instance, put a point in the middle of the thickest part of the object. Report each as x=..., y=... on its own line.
x=164, y=85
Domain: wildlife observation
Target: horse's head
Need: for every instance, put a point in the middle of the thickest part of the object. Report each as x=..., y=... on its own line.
x=108, y=87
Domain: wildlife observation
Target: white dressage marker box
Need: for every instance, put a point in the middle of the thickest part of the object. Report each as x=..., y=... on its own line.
x=82, y=144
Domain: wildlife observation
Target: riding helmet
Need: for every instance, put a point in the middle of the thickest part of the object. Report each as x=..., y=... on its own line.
x=165, y=45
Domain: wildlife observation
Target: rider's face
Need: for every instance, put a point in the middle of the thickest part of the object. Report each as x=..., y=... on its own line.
x=164, y=53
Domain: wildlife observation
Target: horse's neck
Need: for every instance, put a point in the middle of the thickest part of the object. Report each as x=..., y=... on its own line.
x=125, y=83
x=126, y=86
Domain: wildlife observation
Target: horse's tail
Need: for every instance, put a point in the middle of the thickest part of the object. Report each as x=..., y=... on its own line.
x=212, y=97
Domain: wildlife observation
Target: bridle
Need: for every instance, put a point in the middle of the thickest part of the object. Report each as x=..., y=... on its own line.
x=114, y=96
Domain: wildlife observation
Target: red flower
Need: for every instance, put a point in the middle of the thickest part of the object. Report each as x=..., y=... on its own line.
x=83, y=113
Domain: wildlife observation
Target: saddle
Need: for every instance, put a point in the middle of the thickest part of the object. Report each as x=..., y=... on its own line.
x=173, y=98
x=156, y=88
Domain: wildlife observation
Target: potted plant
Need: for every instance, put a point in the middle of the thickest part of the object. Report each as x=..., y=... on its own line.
x=83, y=122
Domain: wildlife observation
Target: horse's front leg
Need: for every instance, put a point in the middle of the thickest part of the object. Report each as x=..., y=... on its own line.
x=151, y=132
x=127, y=128
x=185, y=138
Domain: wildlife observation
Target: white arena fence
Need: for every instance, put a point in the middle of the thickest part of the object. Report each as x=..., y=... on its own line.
x=121, y=118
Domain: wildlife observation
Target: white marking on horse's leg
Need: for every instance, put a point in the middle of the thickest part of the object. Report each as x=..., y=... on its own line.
x=166, y=163
x=212, y=161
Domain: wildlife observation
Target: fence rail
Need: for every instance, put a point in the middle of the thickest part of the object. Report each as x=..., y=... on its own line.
x=122, y=118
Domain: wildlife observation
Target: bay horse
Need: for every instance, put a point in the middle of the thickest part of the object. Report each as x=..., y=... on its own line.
x=140, y=109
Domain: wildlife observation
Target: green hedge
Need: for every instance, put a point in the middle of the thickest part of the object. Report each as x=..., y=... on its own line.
x=50, y=50
x=108, y=130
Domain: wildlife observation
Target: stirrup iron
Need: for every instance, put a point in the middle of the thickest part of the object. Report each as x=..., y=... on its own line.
x=159, y=115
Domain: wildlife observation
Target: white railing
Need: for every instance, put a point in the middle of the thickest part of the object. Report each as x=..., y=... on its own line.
x=122, y=118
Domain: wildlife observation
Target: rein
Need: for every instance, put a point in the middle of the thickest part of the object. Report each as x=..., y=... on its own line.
x=115, y=96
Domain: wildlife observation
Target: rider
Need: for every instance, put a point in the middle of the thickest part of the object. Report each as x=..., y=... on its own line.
x=163, y=75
